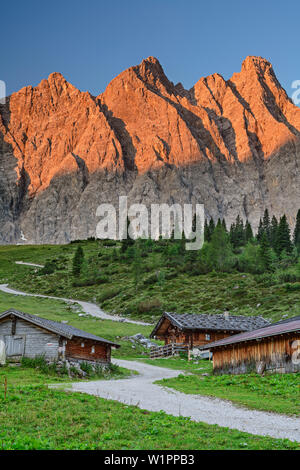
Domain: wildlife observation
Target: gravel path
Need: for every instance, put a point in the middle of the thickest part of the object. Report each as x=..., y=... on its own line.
x=142, y=392
x=88, y=307
x=30, y=264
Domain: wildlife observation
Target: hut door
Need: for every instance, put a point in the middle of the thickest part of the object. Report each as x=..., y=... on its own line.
x=14, y=345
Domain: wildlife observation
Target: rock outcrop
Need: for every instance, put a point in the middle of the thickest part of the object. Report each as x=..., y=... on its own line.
x=232, y=145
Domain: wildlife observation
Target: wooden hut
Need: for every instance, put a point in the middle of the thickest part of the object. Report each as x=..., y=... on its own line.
x=275, y=348
x=196, y=330
x=22, y=334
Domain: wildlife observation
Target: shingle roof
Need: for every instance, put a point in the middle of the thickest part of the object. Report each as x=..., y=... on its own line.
x=187, y=321
x=62, y=329
x=287, y=320
x=272, y=330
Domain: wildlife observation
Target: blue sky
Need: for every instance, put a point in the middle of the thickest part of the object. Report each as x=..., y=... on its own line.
x=91, y=41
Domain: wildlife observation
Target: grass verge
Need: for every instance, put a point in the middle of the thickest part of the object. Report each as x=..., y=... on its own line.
x=53, y=419
x=277, y=392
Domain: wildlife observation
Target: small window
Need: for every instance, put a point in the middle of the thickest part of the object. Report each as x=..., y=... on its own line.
x=82, y=345
x=93, y=350
x=207, y=337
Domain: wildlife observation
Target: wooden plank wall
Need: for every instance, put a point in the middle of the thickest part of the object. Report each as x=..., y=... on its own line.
x=274, y=351
x=197, y=338
x=82, y=349
x=37, y=341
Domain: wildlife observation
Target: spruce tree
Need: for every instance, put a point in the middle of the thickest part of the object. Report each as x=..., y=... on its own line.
x=219, y=251
x=126, y=241
x=266, y=224
x=248, y=232
x=77, y=261
x=273, y=231
x=265, y=253
x=211, y=228
x=237, y=235
x=283, y=239
x=206, y=231
x=260, y=230
x=297, y=232
x=224, y=225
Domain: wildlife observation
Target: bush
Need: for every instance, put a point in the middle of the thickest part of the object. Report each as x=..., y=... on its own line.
x=149, y=306
x=86, y=367
x=90, y=282
x=152, y=279
x=266, y=279
x=288, y=277
x=292, y=287
x=49, y=268
x=107, y=294
x=109, y=243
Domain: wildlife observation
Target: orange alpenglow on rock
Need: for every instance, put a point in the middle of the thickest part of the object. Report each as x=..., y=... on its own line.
x=232, y=145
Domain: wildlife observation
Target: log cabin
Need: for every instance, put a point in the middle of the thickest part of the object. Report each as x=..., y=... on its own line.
x=26, y=335
x=196, y=330
x=274, y=348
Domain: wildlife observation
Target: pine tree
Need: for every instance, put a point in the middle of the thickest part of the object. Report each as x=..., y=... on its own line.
x=237, y=235
x=297, y=232
x=224, y=225
x=266, y=224
x=248, y=232
x=206, y=231
x=78, y=261
x=260, y=230
x=126, y=241
x=219, y=250
x=265, y=253
x=211, y=228
x=273, y=231
x=283, y=239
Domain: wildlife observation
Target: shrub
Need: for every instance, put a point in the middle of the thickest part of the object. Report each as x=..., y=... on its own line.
x=147, y=306
x=90, y=282
x=152, y=279
x=86, y=367
x=109, y=293
x=292, y=287
x=49, y=268
x=109, y=243
x=288, y=277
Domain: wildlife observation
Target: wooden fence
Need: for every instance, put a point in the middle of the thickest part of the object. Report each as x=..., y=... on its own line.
x=168, y=350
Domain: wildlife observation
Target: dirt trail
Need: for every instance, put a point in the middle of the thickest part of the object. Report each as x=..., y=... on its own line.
x=88, y=307
x=141, y=391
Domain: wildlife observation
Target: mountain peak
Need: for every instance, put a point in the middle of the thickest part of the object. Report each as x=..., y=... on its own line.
x=256, y=62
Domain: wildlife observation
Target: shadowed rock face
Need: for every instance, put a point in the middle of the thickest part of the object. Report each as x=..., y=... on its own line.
x=232, y=145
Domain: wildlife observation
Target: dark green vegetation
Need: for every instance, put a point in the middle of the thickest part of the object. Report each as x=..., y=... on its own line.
x=277, y=392
x=37, y=372
x=233, y=271
x=34, y=417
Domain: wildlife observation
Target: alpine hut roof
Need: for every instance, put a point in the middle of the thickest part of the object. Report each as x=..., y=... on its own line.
x=62, y=329
x=224, y=322
x=272, y=330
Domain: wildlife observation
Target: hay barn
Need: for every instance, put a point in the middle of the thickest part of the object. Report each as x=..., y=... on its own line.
x=275, y=348
x=198, y=329
x=22, y=334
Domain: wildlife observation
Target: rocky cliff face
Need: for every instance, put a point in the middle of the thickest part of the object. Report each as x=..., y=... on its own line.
x=232, y=145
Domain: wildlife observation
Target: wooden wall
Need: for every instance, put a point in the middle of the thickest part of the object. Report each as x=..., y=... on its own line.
x=194, y=339
x=83, y=349
x=35, y=340
x=274, y=352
